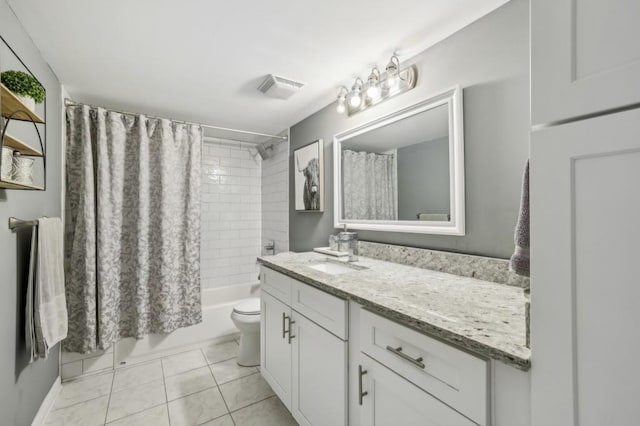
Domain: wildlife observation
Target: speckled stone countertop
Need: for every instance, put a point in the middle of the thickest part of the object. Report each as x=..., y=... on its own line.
x=480, y=316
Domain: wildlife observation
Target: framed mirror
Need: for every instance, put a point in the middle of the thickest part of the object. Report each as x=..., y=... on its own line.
x=404, y=172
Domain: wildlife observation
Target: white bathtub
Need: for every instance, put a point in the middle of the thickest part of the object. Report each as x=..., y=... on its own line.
x=216, y=326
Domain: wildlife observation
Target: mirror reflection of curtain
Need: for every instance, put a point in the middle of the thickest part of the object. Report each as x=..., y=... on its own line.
x=369, y=188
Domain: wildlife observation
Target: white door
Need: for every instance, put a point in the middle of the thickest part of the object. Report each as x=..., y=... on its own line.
x=390, y=400
x=585, y=57
x=275, y=350
x=585, y=288
x=319, y=375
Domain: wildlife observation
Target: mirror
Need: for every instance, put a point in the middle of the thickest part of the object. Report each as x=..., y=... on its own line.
x=404, y=172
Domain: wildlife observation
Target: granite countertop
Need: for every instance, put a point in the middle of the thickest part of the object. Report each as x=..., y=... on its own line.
x=480, y=316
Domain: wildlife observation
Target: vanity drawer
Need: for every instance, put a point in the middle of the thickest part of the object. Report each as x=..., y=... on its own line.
x=276, y=284
x=326, y=310
x=451, y=375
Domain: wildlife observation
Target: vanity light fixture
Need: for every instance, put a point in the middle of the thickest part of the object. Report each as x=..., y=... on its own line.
x=355, y=96
x=373, y=84
x=379, y=87
x=342, y=100
x=392, y=71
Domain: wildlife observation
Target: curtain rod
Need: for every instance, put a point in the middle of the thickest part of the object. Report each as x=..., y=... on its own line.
x=69, y=102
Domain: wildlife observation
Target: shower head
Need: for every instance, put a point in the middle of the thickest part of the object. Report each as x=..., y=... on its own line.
x=264, y=150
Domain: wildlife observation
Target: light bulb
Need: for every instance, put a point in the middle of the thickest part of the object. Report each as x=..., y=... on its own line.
x=355, y=99
x=373, y=84
x=355, y=96
x=392, y=69
x=373, y=91
x=343, y=92
x=392, y=81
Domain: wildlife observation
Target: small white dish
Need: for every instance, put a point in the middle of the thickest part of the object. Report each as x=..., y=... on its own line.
x=327, y=250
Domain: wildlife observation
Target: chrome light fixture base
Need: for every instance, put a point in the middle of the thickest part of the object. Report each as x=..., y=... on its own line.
x=408, y=78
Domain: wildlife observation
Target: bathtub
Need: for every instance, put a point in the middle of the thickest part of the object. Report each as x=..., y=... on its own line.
x=216, y=326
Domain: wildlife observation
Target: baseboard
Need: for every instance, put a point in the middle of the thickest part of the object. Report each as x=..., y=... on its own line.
x=45, y=407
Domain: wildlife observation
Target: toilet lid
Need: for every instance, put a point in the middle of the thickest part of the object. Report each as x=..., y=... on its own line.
x=248, y=307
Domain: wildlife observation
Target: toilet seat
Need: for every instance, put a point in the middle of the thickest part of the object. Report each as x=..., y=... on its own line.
x=248, y=307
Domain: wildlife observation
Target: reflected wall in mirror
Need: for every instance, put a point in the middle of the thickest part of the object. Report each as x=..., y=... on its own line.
x=404, y=172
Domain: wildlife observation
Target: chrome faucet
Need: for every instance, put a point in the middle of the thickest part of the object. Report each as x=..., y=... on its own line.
x=348, y=242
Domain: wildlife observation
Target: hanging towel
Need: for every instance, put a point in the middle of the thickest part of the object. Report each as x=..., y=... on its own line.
x=519, y=262
x=46, y=303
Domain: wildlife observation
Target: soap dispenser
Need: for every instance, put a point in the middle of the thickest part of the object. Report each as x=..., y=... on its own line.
x=348, y=242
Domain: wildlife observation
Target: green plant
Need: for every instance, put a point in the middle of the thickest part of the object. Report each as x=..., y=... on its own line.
x=23, y=84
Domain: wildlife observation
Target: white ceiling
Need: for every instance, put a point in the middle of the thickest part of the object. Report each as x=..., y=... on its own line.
x=201, y=60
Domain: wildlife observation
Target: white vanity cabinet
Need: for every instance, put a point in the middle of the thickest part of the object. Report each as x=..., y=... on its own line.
x=386, y=398
x=304, y=349
x=404, y=377
x=333, y=362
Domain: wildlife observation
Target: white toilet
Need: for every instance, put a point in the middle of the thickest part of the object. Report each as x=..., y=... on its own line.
x=246, y=316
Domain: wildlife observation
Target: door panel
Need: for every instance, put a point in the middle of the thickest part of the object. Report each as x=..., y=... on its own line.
x=585, y=57
x=392, y=400
x=275, y=350
x=319, y=375
x=585, y=205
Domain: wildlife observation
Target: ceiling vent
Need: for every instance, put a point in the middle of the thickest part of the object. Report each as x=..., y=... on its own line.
x=278, y=87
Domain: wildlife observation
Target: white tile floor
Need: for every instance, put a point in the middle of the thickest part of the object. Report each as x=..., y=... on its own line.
x=198, y=387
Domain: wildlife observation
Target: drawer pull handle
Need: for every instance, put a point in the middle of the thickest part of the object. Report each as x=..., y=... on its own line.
x=398, y=351
x=361, y=394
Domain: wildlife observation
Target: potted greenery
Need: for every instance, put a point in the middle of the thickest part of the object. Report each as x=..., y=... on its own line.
x=24, y=86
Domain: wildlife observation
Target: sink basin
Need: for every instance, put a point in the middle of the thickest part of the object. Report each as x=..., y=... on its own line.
x=333, y=268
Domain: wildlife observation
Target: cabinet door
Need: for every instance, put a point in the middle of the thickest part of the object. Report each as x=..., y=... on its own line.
x=392, y=400
x=275, y=350
x=319, y=375
x=585, y=233
x=585, y=57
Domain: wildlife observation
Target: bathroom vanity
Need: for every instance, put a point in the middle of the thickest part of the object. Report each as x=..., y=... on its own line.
x=380, y=343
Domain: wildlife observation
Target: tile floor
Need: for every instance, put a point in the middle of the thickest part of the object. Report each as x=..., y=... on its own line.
x=198, y=387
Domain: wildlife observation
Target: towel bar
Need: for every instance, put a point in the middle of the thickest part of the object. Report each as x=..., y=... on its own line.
x=15, y=223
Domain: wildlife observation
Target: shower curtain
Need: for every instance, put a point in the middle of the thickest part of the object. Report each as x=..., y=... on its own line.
x=369, y=186
x=132, y=236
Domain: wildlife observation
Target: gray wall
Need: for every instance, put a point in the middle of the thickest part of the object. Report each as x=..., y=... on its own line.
x=489, y=59
x=24, y=386
x=423, y=179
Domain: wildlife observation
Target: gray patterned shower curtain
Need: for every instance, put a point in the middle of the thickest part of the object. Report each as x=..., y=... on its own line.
x=369, y=185
x=132, y=236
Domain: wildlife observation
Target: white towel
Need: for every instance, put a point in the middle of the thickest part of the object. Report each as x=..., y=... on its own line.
x=46, y=293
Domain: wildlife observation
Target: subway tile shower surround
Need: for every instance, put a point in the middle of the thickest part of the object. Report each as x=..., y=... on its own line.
x=231, y=214
x=275, y=198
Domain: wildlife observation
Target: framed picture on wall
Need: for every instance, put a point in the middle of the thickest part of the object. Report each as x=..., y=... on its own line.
x=309, y=177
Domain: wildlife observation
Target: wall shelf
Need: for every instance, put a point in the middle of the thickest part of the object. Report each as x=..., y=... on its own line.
x=13, y=108
x=10, y=184
x=20, y=146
